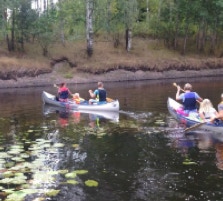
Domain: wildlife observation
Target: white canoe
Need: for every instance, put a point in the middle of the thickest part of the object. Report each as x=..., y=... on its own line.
x=51, y=99
x=189, y=121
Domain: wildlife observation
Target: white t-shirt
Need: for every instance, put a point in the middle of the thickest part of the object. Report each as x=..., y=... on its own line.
x=209, y=114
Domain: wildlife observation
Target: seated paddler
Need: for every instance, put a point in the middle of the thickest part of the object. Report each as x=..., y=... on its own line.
x=63, y=92
x=219, y=117
x=189, y=99
x=99, y=95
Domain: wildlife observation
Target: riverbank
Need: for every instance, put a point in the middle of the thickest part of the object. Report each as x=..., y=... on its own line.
x=69, y=64
x=48, y=79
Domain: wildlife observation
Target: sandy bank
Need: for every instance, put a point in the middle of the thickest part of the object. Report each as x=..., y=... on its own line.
x=113, y=76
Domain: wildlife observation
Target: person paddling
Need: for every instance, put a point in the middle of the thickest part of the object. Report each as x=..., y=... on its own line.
x=188, y=98
x=99, y=95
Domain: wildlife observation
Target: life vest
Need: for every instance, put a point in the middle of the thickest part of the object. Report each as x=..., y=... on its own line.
x=102, y=95
x=77, y=100
x=63, y=93
x=190, y=101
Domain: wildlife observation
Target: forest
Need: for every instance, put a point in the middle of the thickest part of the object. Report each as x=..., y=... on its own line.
x=185, y=26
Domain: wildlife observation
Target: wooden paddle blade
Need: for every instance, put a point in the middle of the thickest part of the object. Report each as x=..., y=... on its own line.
x=194, y=126
x=175, y=84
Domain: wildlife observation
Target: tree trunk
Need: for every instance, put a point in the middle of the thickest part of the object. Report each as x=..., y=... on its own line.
x=213, y=38
x=201, y=37
x=176, y=33
x=62, y=31
x=13, y=31
x=8, y=43
x=185, y=39
x=128, y=39
x=89, y=26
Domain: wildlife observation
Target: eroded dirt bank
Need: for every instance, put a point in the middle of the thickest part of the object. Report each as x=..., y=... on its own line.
x=48, y=79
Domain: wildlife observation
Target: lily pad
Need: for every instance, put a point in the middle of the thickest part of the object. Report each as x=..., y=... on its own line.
x=91, y=183
x=52, y=193
x=8, y=191
x=75, y=145
x=71, y=175
x=81, y=171
x=74, y=182
x=18, y=159
x=8, y=174
x=17, y=147
x=2, y=161
x=24, y=155
x=6, y=181
x=4, y=155
x=20, y=195
x=62, y=171
x=9, y=164
x=189, y=162
x=15, y=151
x=58, y=145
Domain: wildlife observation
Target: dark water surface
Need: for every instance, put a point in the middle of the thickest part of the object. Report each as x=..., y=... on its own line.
x=139, y=154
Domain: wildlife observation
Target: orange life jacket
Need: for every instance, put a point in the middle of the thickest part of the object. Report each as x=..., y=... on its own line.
x=77, y=100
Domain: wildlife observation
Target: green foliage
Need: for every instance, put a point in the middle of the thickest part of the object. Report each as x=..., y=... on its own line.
x=71, y=18
x=200, y=22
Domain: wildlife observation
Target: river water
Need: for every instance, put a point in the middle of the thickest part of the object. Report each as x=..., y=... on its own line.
x=139, y=154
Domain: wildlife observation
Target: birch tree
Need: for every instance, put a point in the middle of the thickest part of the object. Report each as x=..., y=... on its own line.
x=89, y=26
x=130, y=17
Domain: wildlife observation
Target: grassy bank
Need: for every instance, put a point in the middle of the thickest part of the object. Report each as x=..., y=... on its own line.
x=146, y=55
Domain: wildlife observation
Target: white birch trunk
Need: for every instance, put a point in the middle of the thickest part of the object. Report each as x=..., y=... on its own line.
x=128, y=39
x=89, y=26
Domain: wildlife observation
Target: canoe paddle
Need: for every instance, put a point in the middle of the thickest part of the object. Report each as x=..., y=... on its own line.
x=194, y=126
x=175, y=84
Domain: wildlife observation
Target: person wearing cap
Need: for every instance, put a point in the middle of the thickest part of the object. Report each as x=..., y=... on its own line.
x=189, y=98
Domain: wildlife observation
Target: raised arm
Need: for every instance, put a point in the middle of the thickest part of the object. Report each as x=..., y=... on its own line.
x=92, y=95
x=178, y=93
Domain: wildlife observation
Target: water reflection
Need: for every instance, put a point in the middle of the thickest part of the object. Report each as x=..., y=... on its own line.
x=67, y=116
x=205, y=142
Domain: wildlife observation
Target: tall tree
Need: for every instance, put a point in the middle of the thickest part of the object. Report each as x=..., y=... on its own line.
x=89, y=26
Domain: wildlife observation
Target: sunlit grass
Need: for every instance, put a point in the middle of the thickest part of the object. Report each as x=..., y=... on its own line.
x=13, y=63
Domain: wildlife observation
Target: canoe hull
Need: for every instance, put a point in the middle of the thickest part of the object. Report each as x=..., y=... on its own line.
x=50, y=99
x=174, y=106
x=110, y=115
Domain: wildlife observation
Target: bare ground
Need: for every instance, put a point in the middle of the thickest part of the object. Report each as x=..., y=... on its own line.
x=48, y=79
